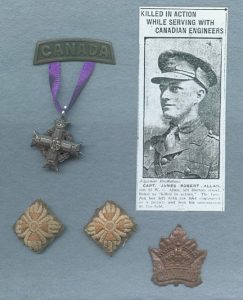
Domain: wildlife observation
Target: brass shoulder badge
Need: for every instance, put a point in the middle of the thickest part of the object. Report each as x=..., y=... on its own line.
x=178, y=260
x=74, y=49
x=37, y=227
x=110, y=227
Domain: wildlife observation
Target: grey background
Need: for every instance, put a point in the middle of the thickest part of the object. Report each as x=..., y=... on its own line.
x=105, y=120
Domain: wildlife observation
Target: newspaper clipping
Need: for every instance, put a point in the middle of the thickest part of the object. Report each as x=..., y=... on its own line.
x=181, y=119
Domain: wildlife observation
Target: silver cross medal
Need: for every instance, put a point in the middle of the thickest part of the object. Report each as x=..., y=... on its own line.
x=56, y=144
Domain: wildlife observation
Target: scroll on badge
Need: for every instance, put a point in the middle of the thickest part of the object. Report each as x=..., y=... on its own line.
x=178, y=260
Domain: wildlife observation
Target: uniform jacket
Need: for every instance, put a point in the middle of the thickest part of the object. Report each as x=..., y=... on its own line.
x=195, y=155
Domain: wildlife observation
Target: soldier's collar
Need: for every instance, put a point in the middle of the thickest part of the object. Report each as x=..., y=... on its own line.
x=197, y=136
x=189, y=126
x=193, y=132
x=195, y=128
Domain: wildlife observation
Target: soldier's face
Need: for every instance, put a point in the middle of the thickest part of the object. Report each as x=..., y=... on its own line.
x=177, y=97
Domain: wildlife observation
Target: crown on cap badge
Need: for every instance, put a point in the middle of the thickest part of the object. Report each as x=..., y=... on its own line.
x=178, y=260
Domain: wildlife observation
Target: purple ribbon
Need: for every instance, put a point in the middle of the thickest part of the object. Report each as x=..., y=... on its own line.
x=55, y=83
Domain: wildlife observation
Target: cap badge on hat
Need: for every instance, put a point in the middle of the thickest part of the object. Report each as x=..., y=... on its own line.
x=177, y=65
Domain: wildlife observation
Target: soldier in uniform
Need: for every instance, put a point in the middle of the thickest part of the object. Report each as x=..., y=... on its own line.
x=187, y=149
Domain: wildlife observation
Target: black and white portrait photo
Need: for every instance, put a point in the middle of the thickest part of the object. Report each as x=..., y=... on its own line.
x=181, y=111
x=182, y=108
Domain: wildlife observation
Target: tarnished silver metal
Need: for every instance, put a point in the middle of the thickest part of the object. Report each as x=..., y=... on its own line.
x=56, y=144
x=74, y=50
x=64, y=110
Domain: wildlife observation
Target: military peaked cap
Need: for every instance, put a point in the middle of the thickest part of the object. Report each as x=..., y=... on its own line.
x=180, y=65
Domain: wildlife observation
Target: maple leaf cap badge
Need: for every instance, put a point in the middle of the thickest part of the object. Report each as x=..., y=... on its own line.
x=178, y=260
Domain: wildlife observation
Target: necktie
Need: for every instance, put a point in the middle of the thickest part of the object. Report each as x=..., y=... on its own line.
x=170, y=140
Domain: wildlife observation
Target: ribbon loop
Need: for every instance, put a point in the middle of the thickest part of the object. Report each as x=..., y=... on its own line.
x=55, y=83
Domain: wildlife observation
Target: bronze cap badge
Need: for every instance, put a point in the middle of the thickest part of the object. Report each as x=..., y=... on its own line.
x=178, y=260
